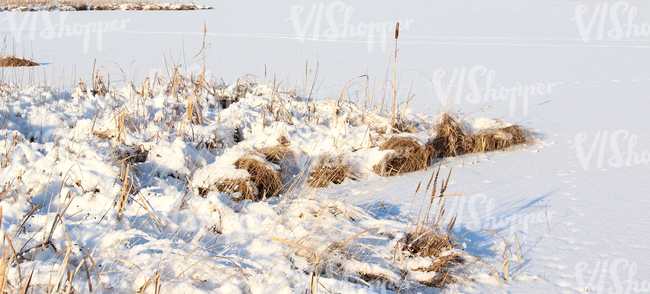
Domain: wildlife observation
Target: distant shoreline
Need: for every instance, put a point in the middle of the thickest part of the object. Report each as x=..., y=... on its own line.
x=30, y=5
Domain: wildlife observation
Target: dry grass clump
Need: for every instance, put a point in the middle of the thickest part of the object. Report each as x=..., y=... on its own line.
x=331, y=169
x=453, y=139
x=13, y=61
x=431, y=242
x=501, y=138
x=283, y=157
x=264, y=182
x=443, y=266
x=277, y=154
x=232, y=186
x=425, y=242
x=409, y=156
x=428, y=238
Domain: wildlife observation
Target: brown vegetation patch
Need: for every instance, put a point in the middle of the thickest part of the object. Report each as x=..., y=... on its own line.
x=233, y=186
x=331, y=168
x=501, y=138
x=13, y=61
x=453, y=139
x=443, y=266
x=277, y=154
x=264, y=181
x=282, y=157
x=428, y=243
x=409, y=156
x=428, y=237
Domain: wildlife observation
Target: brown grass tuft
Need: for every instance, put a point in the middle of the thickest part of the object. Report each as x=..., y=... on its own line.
x=264, y=181
x=443, y=266
x=453, y=139
x=428, y=243
x=13, y=61
x=231, y=186
x=277, y=154
x=427, y=237
x=501, y=138
x=409, y=156
x=282, y=157
x=331, y=168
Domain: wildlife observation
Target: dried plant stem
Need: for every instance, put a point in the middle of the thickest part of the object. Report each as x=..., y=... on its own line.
x=393, y=110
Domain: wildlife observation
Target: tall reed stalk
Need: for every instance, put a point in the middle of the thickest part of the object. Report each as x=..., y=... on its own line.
x=392, y=121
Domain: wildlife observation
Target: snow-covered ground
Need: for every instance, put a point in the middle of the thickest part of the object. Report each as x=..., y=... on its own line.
x=577, y=200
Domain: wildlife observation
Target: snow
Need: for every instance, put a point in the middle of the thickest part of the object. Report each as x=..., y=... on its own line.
x=576, y=200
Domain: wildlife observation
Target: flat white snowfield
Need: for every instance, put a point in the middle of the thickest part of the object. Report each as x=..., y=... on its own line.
x=112, y=185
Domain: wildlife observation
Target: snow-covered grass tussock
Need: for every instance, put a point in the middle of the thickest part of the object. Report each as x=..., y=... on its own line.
x=146, y=187
x=13, y=61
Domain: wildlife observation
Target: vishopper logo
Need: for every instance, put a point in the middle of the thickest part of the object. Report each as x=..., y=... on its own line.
x=619, y=18
x=486, y=92
x=604, y=141
x=338, y=17
x=604, y=275
x=469, y=216
x=60, y=28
